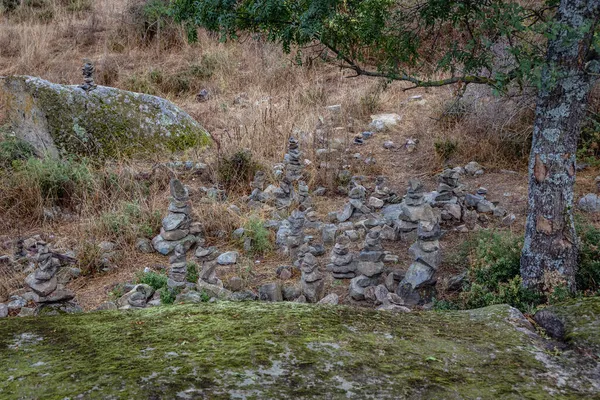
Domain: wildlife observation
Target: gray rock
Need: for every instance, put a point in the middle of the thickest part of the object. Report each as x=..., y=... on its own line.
x=175, y=221
x=392, y=212
x=211, y=290
x=553, y=326
x=485, y=206
x=144, y=245
x=313, y=291
x=471, y=200
x=376, y=203
x=473, y=168
x=145, y=121
x=42, y=288
x=388, y=144
x=393, y=308
x=165, y=247
x=27, y=312
x=390, y=282
x=108, y=305
x=381, y=293
x=346, y=213
x=300, y=299
x=331, y=299
x=238, y=233
x=191, y=297
x=270, y=292
x=509, y=219
x=245, y=295
x=3, y=310
x=235, y=284
x=176, y=234
x=590, y=203
x=329, y=234
x=59, y=295
x=370, y=268
x=291, y=292
x=15, y=303
x=418, y=274
x=228, y=258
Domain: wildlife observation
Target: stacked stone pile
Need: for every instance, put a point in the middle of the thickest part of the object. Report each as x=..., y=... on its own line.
x=426, y=261
x=285, y=193
x=312, y=281
x=178, y=268
x=295, y=238
x=413, y=210
x=343, y=264
x=175, y=228
x=448, y=195
x=258, y=187
x=370, y=266
x=356, y=206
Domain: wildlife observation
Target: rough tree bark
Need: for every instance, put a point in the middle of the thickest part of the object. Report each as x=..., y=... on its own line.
x=550, y=252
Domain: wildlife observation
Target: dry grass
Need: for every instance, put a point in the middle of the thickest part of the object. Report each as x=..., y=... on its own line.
x=258, y=98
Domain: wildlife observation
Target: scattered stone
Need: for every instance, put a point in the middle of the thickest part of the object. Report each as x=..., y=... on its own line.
x=388, y=144
x=3, y=310
x=553, y=326
x=144, y=245
x=270, y=292
x=590, y=203
x=376, y=203
x=509, y=220
x=228, y=258
x=473, y=168
x=190, y=297
x=331, y=299
x=285, y=274
x=235, y=284
x=380, y=122
x=410, y=145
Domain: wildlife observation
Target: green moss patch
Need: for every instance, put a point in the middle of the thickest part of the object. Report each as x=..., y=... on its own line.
x=264, y=351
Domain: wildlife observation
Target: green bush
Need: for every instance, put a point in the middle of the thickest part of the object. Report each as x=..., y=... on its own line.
x=588, y=273
x=192, y=272
x=13, y=149
x=445, y=148
x=154, y=279
x=261, y=239
x=129, y=222
x=58, y=180
x=167, y=295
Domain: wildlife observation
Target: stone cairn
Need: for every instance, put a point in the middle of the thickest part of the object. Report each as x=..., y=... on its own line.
x=384, y=193
x=295, y=238
x=356, y=203
x=258, y=187
x=284, y=194
x=304, y=199
x=447, y=198
x=44, y=280
x=312, y=280
x=370, y=266
x=413, y=210
x=343, y=265
x=178, y=268
x=427, y=259
x=175, y=228
x=88, y=77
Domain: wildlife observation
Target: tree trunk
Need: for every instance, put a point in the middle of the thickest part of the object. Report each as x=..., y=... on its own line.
x=550, y=252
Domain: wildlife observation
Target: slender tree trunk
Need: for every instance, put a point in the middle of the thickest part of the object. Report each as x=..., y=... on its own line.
x=550, y=252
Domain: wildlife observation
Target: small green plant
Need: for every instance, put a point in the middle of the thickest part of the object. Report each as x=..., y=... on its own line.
x=14, y=149
x=154, y=279
x=129, y=222
x=167, y=295
x=588, y=272
x=117, y=292
x=260, y=237
x=192, y=272
x=204, y=296
x=445, y=148
x=444, y=305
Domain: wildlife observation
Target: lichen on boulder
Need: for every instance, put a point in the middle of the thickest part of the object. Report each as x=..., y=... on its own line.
x=285, y=350
x=106, y=122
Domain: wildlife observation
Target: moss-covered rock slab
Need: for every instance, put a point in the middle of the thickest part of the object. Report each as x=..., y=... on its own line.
x=283, y=351
x=60, y=119
x=581, y=318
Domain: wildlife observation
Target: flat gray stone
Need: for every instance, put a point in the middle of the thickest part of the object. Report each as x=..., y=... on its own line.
x=228, y=258
x=3, y=310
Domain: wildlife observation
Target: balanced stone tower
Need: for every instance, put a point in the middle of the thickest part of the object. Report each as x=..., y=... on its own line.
x=343, y=265
x=313, y=283
x=175, y=228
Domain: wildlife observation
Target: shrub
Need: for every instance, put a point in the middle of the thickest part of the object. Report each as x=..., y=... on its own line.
x=192, y=272
x=237, y=171
x=89, y=258
x=129, y=222
x=156, y=280
x=588, y=273
x=167, y=295
x=261, y=239
x=14, y=149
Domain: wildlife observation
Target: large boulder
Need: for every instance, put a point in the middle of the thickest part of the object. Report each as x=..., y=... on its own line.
x=287, y=350
x=105, y=121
